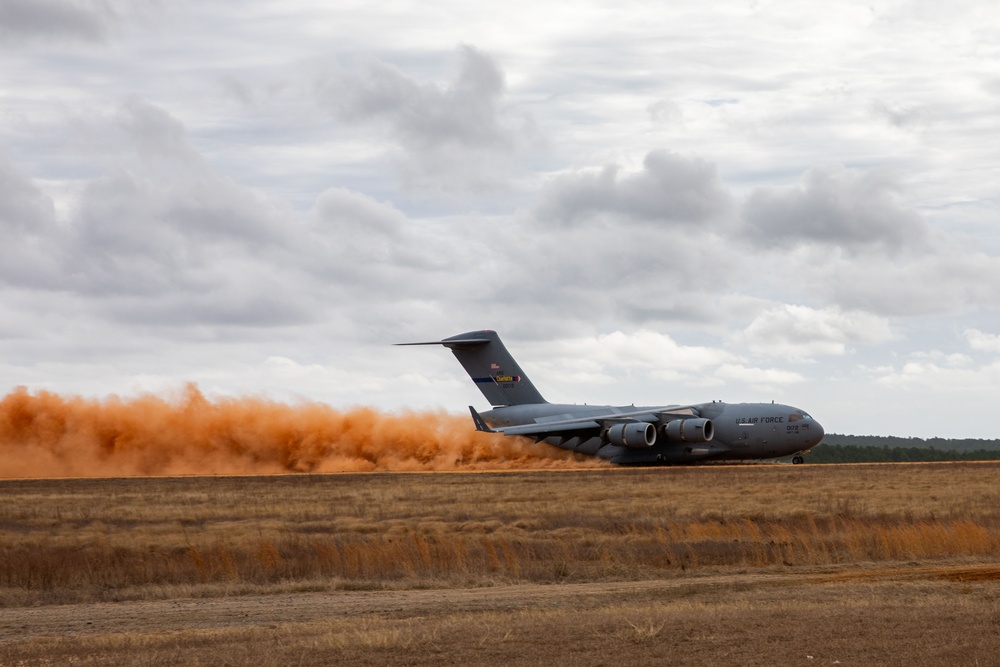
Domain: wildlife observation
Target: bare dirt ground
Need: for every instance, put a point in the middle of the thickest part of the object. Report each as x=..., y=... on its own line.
x=911, y=614
x=266, y=610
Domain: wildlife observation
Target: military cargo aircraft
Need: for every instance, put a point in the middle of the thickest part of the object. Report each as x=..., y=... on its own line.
x=629, y=435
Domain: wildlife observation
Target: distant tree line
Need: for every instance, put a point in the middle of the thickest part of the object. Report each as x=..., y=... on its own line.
x=855, y=454
x=957, y=445
x=837, y=448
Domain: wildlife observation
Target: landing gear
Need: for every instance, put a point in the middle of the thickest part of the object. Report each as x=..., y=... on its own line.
x=797, y=459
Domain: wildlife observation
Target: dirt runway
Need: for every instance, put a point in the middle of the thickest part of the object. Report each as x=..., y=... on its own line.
x=263, y=611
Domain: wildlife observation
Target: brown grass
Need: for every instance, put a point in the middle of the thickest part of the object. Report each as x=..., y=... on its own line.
x=747, y=565
x=85, y=540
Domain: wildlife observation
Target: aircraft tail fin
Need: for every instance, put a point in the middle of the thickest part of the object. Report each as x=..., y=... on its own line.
x=491, y=367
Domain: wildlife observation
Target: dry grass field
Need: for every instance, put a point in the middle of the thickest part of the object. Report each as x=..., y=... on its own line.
x=753, y=564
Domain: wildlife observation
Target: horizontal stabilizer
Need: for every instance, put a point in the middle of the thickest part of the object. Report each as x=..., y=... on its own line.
x=480, y=423
x=469, y=342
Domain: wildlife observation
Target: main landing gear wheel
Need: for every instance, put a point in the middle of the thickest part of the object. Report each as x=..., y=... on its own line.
x=797, y=459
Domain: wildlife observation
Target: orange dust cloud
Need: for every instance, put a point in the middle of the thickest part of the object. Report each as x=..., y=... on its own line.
x=48, y=435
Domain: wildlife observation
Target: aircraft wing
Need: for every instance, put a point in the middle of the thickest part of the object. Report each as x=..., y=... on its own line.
x=546, y=428
x=587, y=423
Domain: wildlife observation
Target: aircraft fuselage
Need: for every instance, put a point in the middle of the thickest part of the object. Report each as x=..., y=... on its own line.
x=742, y=431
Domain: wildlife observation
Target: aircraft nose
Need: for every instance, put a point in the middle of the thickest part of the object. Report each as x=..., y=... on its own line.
x=816, y=433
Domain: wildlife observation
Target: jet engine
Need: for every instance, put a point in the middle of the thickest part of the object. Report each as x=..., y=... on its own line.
x=636, y=435
x=689, y=430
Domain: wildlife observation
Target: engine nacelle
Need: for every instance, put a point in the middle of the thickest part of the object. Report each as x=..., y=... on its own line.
x=689, y=430
x=635, y=435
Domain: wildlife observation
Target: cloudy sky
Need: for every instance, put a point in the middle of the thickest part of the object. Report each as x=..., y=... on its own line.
x=746, y=200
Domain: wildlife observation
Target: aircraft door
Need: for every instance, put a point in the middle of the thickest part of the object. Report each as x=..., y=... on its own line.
x=745, y=435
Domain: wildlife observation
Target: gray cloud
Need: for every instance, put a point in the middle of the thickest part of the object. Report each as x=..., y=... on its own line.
x=29, y=232
x=24, y=208
x=370, y=248
x=154, y=133
x=554, y=281
x=162, y=238
x=803, y=332
x=948, y=281
x=179, y=188
x=54, y=20
x=238, y=295
x=670, y=189
x=423, y=115
x=457, y=136
x=837, y=207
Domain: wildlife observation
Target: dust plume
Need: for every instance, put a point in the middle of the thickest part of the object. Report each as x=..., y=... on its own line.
x=49, y=435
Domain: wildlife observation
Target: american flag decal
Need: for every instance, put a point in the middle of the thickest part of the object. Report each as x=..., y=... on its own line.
x=494, y=367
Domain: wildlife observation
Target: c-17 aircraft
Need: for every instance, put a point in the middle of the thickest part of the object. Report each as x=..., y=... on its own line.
x=629, y=435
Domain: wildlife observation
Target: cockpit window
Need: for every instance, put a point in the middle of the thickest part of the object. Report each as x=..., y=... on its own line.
x=798, y=416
